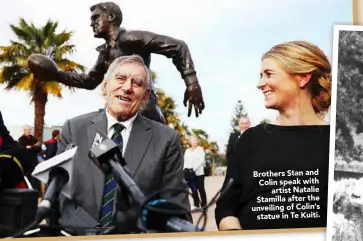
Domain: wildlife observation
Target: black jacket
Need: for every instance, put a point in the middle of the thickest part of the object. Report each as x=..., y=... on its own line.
x=232, y=142
x=7, y=141
x=52, y=148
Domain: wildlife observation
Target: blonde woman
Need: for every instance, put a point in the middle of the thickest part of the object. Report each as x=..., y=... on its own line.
x=295, y=80
x=194, y=158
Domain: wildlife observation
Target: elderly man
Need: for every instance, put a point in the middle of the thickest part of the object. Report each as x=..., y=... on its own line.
x=243, y=124
x=152, y=151
x=28, y=141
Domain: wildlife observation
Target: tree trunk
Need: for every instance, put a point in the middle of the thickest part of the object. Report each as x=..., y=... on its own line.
x=40, y=99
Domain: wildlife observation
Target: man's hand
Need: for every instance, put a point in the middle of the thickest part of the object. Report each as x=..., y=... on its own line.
x=193, y=95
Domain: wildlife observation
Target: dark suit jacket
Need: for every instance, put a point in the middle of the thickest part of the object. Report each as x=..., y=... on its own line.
x=153, y=155
x=232, y=142
x=7, y=140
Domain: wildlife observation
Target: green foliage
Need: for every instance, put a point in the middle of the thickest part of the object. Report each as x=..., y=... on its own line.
x=15, y=74
x=221, y=160
x=173, y=119
x=239, y=111
x=349, y=118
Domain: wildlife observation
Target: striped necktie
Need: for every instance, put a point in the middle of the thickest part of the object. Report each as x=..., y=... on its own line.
x=109, y=191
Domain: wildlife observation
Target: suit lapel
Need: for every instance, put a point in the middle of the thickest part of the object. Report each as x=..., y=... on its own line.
x=98, y=125
x=137, y=145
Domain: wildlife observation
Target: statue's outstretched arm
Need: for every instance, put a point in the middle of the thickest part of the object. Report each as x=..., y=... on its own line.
x=179, y=52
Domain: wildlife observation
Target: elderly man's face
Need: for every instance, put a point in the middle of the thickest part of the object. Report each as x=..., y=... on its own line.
x=244, y=124
x=27, y=131
x=126, y=90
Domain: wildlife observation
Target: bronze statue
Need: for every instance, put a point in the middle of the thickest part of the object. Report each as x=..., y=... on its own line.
x=106, y=19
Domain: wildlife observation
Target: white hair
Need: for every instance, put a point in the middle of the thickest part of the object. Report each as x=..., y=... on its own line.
x=27, y=127
x=195, y=137
x=128, y=59
x=244, y=118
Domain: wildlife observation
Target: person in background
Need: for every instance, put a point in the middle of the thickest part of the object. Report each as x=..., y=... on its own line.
x=28, y=141
x=52, y=145
x=194, y=158
x=243, y=124
x=295, y=80
x=7, y=144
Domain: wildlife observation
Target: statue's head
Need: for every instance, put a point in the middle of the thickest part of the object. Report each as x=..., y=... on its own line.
x=103, y=16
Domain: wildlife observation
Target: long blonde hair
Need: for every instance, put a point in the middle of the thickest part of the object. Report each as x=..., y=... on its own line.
x=302, y=57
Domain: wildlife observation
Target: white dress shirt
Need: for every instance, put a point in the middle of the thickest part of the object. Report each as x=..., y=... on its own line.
x=195, y=159
x=125, y=133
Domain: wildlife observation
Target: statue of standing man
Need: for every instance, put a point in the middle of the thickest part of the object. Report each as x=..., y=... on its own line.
x=106, y=19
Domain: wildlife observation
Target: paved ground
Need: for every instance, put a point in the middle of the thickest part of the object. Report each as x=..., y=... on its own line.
x=212, y=186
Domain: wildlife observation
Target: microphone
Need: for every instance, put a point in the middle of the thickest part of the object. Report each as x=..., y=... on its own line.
x=165, y=222
x=15, y=163
x=58, y=177
x=107, y=157
x=57, y=174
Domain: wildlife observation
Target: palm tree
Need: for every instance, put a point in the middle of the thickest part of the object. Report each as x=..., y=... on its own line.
x=166, y=104
x=172, y=118
x=14, y=66
x=184, y=133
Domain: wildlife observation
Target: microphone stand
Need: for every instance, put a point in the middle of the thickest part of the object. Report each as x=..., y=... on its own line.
x=53, y=229
x=54, y=217
x=108, y=158
x=129, y=205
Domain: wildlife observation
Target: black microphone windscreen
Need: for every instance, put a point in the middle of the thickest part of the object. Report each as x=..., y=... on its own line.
x=153, y=220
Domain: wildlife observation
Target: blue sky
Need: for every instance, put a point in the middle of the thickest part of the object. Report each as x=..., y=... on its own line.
x=226, y=40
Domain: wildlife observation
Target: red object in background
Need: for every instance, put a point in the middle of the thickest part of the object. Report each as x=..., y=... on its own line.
x=50, y=141
x=22, y=185
x=1, y=141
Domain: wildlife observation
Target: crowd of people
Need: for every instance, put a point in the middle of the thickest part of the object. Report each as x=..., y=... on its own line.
x=36, y=150
x=295, y=81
